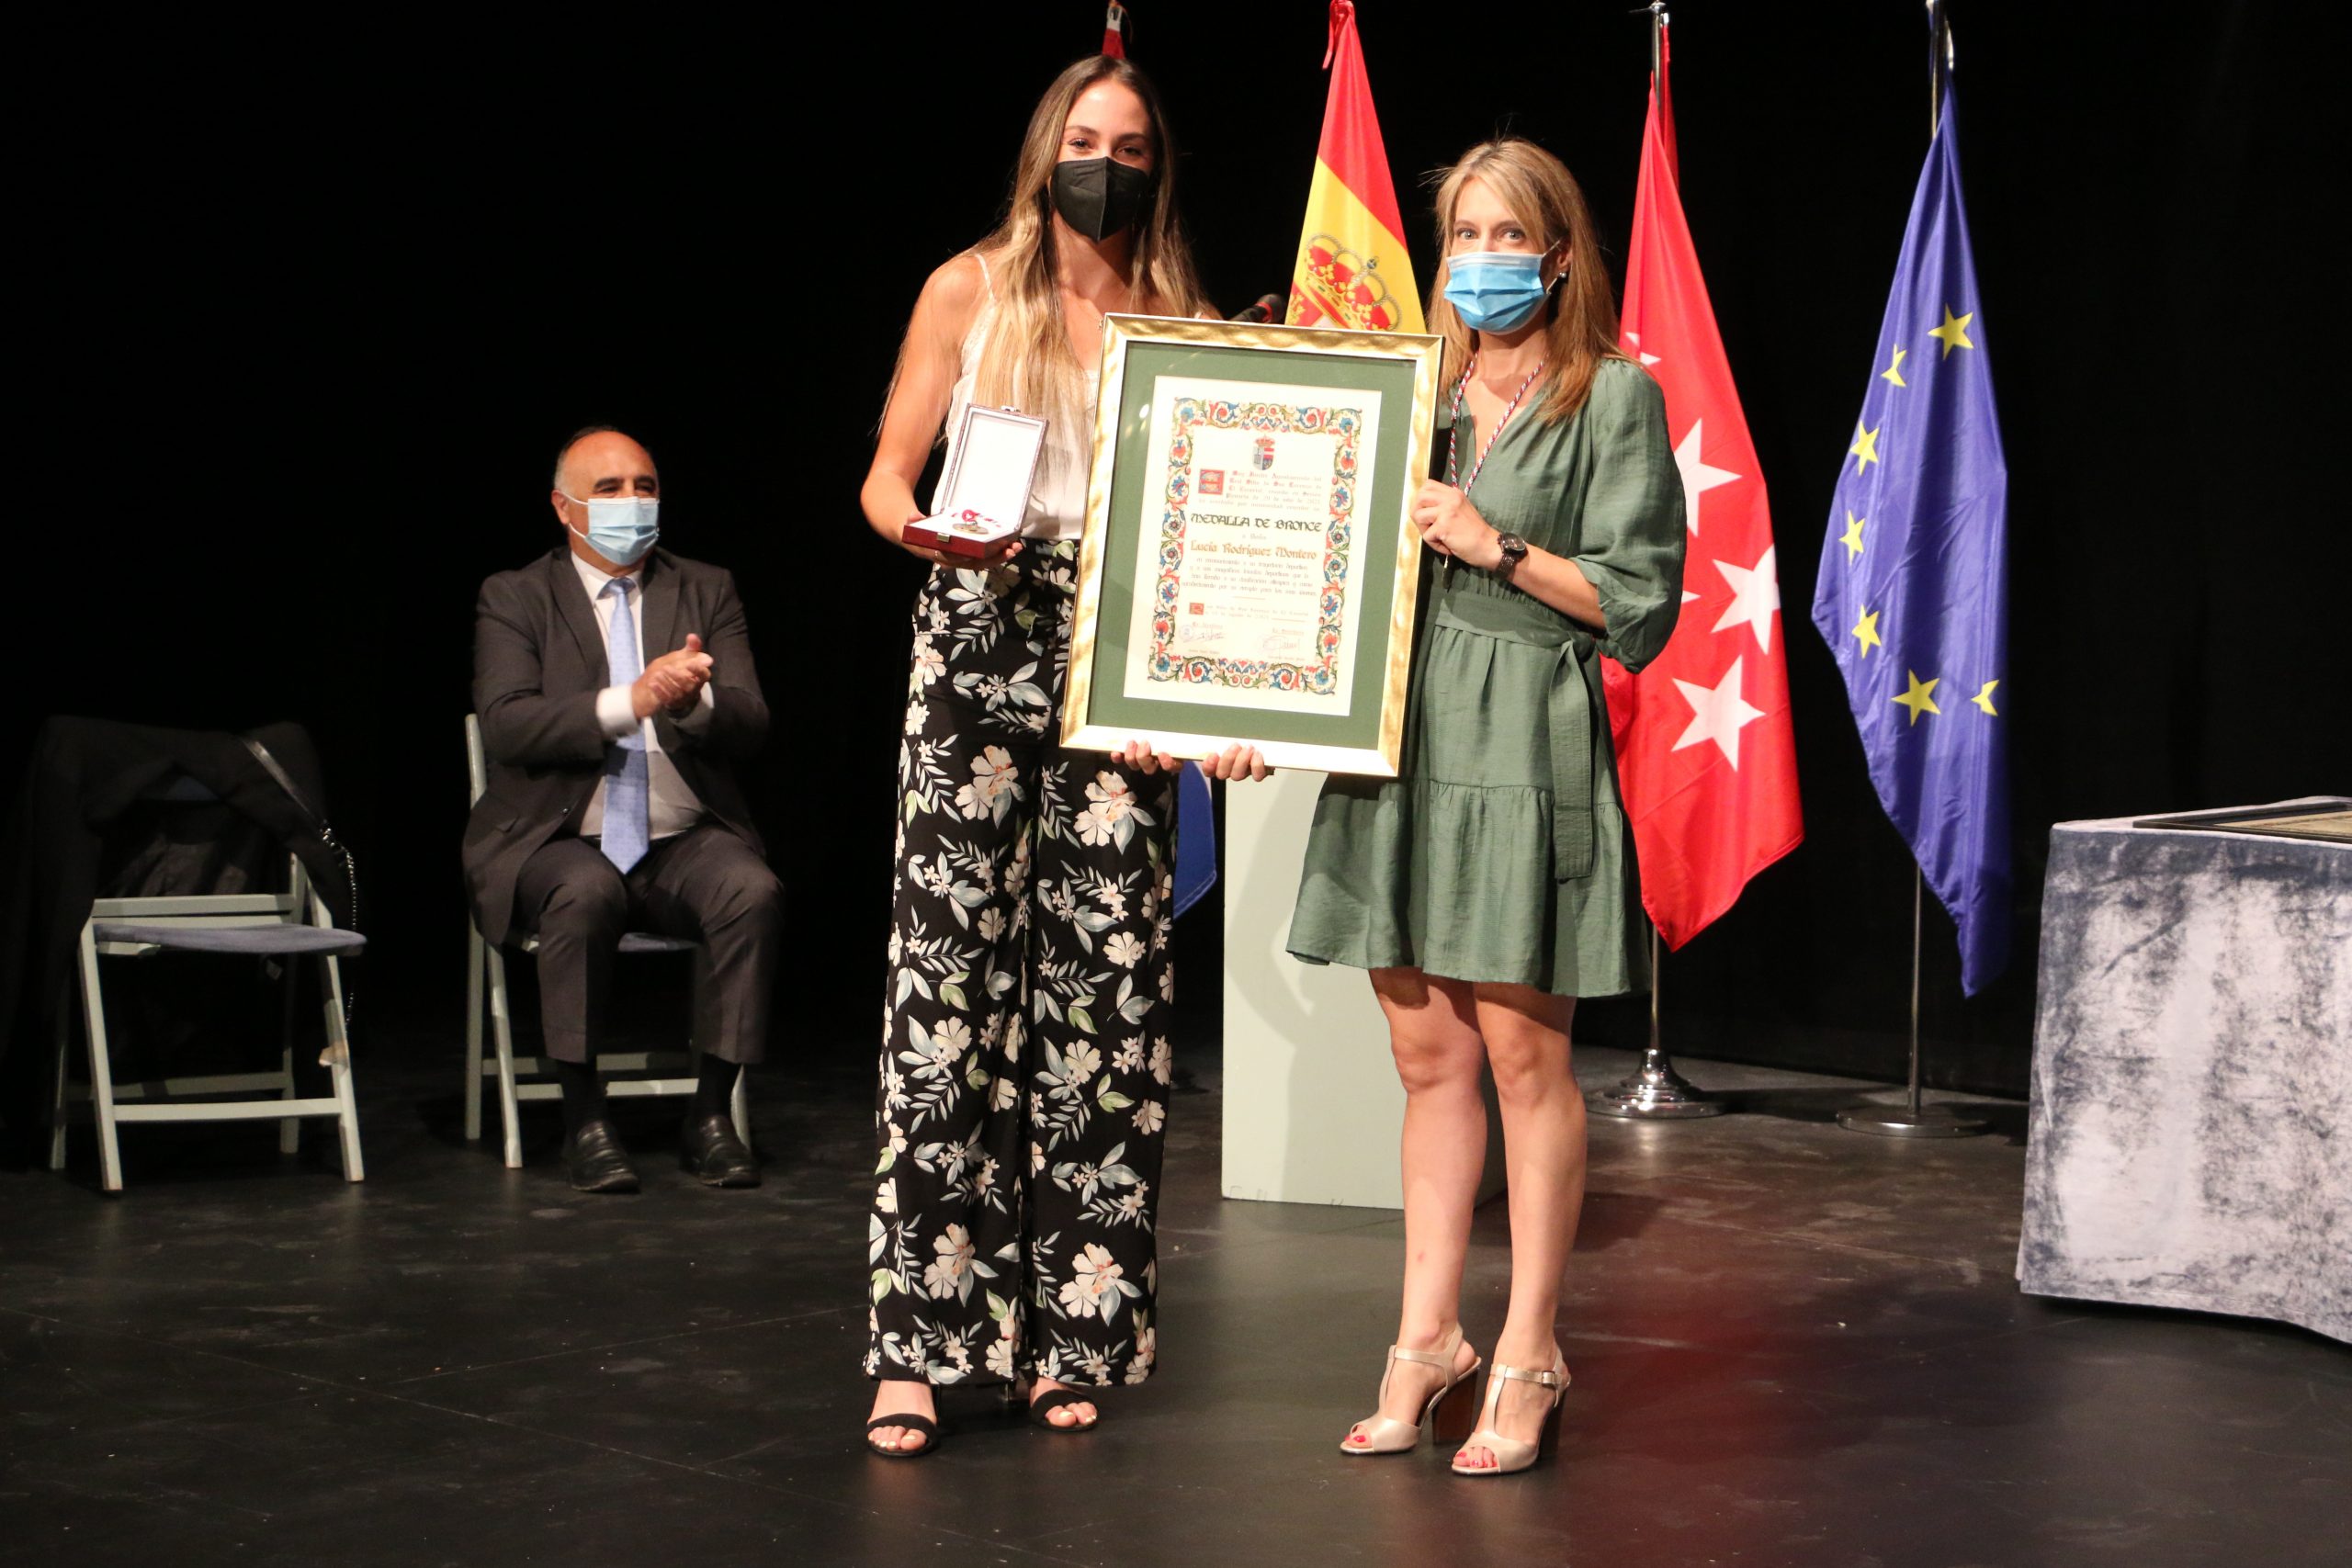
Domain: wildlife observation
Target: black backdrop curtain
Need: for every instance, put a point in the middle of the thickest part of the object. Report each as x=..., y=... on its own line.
x=309, y=310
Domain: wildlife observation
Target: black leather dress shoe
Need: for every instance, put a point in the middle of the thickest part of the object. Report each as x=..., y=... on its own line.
x=709, y=1147
x=593, y=1158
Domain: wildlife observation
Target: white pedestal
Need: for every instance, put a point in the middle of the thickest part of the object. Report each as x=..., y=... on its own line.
x=1312, y=1105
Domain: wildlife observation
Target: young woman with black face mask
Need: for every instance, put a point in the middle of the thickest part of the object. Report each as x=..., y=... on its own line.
x=1025, y=1061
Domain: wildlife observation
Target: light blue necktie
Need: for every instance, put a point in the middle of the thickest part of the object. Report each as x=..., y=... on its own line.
x=626, y=786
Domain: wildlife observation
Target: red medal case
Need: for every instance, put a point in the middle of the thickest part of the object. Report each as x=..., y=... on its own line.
x=986, y=495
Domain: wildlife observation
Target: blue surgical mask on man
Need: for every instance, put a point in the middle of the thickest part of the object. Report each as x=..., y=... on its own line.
x=1496, y=291
x=621, y=529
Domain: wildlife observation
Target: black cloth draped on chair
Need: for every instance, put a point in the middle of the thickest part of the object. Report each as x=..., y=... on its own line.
x=96, y=817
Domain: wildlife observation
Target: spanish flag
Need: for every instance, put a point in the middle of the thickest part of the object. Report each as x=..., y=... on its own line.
x=1353, y=270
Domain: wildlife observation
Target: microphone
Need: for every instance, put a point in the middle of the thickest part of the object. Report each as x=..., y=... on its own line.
x=1267, y=307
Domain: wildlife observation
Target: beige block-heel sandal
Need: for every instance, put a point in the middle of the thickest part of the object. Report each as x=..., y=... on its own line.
x=1447, y=1415
x=1511, y=1454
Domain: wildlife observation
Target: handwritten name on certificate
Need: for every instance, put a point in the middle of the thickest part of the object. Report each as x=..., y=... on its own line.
x=1247, y=589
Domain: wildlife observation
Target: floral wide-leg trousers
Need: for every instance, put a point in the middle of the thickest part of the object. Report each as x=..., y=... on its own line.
x=1025, y=1065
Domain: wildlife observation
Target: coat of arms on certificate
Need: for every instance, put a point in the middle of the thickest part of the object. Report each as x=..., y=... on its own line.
x=1249, y=570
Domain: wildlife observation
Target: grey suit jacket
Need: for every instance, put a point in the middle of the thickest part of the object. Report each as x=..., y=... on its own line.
x=540, y=662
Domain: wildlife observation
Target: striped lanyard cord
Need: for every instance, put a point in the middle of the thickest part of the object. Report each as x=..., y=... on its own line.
x=1453, y=439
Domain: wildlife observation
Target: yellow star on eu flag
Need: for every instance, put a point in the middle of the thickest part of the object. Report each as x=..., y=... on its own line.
x=1922, y=697
x=1894, y=372
x=1852, y=538
x=1984, y=699
x=1865, y=447
x=1954, y=331
x=1866, y=630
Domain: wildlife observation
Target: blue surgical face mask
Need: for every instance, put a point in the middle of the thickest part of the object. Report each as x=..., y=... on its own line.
x=621, y=529
x=1496, y=291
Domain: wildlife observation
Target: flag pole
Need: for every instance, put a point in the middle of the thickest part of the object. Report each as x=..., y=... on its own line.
x=1913, y=1118
x=1655, y=1092
x=1918, y=920
x=1935, y=75
x=1916, y=1117
x=1939, y=61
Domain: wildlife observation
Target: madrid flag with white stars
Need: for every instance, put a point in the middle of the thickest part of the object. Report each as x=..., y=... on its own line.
x=1704, y=751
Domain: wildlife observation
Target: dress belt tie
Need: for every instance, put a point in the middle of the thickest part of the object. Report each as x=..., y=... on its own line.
x=1573, y=700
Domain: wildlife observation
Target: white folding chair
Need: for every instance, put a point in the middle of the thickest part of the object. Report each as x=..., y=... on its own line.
x=662, y=1072
x=278, y=926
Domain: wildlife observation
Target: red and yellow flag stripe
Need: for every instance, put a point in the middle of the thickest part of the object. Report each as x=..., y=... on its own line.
x=1352, y=270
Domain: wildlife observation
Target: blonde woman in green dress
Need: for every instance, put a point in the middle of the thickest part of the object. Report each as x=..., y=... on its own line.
x=1493, y=882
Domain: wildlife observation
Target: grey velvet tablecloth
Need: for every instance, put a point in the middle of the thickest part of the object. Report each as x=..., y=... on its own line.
x=2189, y=1142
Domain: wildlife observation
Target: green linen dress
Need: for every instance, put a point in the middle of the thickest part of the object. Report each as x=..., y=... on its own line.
x=1501, y=852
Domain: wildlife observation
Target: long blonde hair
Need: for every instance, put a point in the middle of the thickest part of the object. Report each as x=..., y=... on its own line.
x=1581, y=311
x=1028, y=362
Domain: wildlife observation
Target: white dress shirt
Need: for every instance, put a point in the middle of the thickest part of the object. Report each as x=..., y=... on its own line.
x=672, y=807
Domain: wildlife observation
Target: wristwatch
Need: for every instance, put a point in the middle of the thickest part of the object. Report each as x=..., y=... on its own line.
x=1514, y=551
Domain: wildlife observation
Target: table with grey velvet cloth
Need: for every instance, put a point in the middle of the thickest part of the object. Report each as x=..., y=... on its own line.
x=2189, y=1142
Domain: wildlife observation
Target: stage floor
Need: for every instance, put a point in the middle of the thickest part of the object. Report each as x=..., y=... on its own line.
x=1792, y=1345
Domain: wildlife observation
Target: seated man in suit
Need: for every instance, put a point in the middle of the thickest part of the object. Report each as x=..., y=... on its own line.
x=615, y=685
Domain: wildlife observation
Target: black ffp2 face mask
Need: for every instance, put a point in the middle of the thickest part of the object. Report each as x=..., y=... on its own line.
x=1099, y=197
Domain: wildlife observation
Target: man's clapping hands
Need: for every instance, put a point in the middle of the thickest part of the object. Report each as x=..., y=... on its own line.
x=672, y=681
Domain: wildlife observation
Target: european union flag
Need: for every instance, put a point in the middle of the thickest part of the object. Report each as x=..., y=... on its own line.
x=1196, y=837
x=1912, y=595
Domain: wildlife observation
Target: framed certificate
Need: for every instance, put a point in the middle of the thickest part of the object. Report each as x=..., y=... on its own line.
x=2324, y=819
x=1250, y=570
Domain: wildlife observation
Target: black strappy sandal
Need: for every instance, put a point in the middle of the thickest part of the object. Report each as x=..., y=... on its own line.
x=1045, y=1405
x=924, y=1424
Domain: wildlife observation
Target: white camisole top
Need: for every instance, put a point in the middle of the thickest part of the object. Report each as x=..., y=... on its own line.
x=1058, y=500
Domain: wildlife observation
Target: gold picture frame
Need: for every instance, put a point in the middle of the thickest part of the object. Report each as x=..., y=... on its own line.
x=1339, y=706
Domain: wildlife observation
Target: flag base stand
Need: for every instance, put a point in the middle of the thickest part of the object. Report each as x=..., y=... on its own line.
x=1909, y=1121
x=1656, y=1093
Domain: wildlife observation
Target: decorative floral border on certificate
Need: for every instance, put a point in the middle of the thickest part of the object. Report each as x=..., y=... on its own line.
x=1289, y=419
